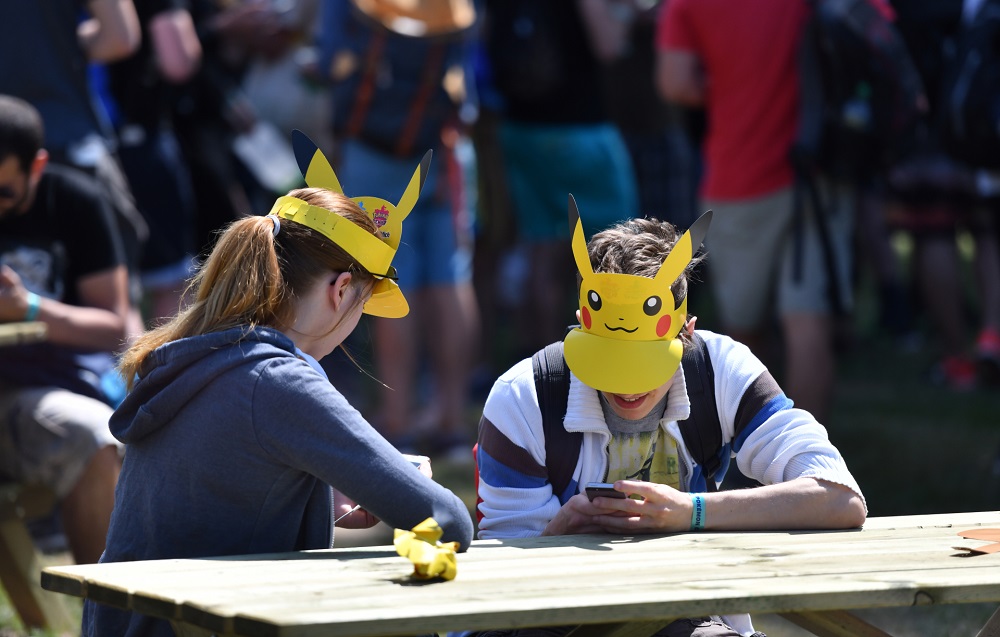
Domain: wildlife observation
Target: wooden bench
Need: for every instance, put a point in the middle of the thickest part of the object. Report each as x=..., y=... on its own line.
x=20, y=563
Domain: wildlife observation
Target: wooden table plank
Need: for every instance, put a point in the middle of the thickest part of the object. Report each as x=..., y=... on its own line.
x=607, y=580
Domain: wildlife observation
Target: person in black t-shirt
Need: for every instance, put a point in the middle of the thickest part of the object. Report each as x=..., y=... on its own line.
x=62, y=263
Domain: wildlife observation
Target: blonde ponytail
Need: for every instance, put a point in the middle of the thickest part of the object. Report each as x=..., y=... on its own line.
x=252, y=276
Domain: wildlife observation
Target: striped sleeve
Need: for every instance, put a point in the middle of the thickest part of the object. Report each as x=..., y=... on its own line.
x=516, y=499
x=773, y=440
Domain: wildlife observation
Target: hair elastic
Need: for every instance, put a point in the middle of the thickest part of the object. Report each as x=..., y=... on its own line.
x=277, y=224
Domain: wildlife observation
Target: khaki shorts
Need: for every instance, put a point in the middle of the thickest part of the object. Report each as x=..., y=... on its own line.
x=751, y=258
x=48, y=435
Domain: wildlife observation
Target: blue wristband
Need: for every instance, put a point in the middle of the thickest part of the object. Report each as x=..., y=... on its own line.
x=697, y=512
x=34, y=302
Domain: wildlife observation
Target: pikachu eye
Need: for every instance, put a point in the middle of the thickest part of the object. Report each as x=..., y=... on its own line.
x=652, y=306
x=595, y=300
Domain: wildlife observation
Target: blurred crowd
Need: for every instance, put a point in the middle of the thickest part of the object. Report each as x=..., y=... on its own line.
x=178, y=114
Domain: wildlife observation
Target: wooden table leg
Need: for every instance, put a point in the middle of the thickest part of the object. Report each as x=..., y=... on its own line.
x=834, y=623
x=20, y=570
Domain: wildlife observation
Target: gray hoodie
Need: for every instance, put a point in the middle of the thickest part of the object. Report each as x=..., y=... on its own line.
x=231, y=443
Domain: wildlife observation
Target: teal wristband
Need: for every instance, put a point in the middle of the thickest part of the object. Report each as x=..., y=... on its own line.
x=697, y=512
x=34, y=302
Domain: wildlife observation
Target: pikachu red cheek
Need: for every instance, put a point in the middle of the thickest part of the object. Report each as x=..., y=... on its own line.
x=663, y=325
x=585, y=317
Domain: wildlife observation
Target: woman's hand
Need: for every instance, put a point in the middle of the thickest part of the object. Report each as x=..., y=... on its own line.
x=348, y=515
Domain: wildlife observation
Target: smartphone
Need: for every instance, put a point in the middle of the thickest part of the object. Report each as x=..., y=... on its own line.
x=603, y=490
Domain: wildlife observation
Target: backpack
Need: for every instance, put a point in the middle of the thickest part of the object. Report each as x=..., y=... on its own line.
x=862, y=96
x=702, y=431
x=397, y=100
x=970, y=103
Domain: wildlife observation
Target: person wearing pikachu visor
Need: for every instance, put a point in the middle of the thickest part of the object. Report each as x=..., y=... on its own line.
x=236, y=441
x=628, y=394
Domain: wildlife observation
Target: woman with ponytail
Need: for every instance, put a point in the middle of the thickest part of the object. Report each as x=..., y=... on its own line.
x=236, y=442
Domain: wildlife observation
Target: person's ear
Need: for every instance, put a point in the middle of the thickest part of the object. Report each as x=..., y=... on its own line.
x=578, y=317
x=689, y=326
x=339, y=285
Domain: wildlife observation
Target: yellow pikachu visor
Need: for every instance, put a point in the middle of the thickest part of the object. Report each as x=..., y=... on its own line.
x=627, y=342
x=373, y=252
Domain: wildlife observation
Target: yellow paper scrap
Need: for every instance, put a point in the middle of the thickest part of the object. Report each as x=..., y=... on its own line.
x=430, y=557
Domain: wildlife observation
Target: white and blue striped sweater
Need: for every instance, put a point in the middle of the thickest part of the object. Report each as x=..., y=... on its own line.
x=776, y=443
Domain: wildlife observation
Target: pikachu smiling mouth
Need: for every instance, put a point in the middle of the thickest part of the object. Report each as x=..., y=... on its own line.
x=620, y=329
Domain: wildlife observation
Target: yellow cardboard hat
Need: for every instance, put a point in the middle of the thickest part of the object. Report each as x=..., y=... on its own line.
x=374, y=252
x=627, y=342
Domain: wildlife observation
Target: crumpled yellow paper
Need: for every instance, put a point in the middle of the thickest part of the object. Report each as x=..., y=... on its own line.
x=430, y=557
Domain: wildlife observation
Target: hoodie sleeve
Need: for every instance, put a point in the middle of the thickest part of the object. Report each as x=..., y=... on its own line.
x=303, y=421
x=517, y=498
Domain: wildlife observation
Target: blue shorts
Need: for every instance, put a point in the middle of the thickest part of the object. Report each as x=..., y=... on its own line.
x=436, y=247
x=547, y=163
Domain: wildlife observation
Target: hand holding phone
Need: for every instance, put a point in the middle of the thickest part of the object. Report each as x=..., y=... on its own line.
x=603, y=490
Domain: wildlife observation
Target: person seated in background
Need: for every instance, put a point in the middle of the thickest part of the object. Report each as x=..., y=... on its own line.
x=628, y=395
x=236, y=441
x=61, y=263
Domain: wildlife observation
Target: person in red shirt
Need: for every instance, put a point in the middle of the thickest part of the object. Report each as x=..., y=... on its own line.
x=739, y=61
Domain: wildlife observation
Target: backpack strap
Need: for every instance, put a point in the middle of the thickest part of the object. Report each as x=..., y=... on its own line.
x=429, y=81
x=562, y=448
x=702, y=430
x=366, y=90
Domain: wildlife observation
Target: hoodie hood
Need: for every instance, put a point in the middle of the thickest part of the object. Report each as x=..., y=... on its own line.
x=176, y=372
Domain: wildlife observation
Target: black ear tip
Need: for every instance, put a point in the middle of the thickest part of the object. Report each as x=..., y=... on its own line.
x=304, y=149
x=301, y=140
x=702, y=222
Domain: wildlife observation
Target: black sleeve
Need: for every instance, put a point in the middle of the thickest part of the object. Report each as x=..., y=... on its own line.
x=85, y=222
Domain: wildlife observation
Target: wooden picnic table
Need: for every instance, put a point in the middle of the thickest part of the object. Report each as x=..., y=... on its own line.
x=614, y=585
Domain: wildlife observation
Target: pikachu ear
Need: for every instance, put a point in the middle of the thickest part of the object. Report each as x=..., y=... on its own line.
x=574, y=214
x=580, y=254
x=313, y=164
x=684, y=250
x=409, y=198
x=699, y=230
